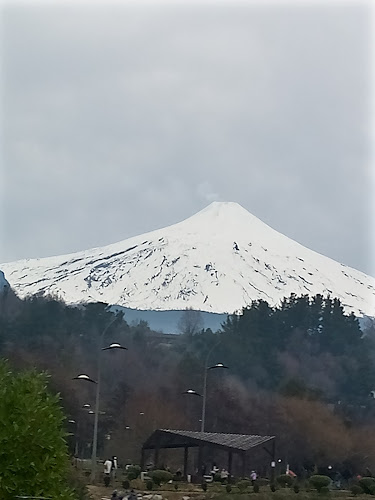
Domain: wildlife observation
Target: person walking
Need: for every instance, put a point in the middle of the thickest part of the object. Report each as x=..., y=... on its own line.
x=107, y=471
x=114, y=467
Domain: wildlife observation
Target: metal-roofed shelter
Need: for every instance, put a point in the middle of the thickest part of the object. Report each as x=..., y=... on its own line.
x=231, y=443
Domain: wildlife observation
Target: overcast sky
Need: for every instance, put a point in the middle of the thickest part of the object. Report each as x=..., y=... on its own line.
x=117, y=120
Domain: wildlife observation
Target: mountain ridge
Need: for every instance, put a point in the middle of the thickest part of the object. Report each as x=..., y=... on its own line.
x=218, y=260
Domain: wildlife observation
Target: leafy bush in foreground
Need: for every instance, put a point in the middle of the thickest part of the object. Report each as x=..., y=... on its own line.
x=368, y=485
x=243, y=485
x=284, y=480
x=33, y=452
x=318, y=482
x=356, y=489
x=161, y=476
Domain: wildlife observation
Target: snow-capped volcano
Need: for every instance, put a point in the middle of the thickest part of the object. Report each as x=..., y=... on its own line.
x=218, y=260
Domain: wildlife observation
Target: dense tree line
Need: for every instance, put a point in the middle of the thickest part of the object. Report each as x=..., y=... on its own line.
x=286, y=363
x=307, y=346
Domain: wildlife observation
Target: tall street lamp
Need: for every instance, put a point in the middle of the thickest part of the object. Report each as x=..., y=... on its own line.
x=205, y=373
x=206, y=370
x=75, y=434
x=97, y=396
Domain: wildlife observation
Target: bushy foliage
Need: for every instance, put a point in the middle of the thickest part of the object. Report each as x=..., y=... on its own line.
x=256, y=487
x=160, y=476
x=284, y=480
x=263, y=481
x=126, y=484
x=324, y=490
x=367, y=484
x=33, y=451
x=356, y=489
x=133, y=472
x=243, y=484
x=318, y=481
x=204, y=486
x=273, y=487
x=77, y=483
x=228, y=488
x=296, y=488
x=149, y=485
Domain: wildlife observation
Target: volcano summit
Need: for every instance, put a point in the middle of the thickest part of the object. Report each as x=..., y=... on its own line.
x=218, y=260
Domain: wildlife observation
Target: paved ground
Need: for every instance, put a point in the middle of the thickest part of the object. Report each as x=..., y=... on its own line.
x=101, y=492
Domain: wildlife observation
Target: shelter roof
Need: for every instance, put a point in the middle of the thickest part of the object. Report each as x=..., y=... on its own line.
x=167, y=438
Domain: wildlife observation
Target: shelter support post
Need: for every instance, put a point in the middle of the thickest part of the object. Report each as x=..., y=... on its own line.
x=156, y=457
x=230, y=459
x=200, y=457
x=244, y=464
x=186, y=456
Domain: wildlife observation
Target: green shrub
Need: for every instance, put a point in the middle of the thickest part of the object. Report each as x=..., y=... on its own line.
x=133, y=472
x=262, y=481
x=228, y=488
x=34, y=458
x=356, y=489
x=243, y=485
x=160, y=476
x=296, y=488
x=78, y=485
x=126, y=484
x=149, y=485
x=137, y=484
x=204, y=486
x=217, y=477
x=324, y=490
x=368, y=485
x=176, y=486
x=273, y=487
x=107, y=480
x=256, y=487
x=318, y=482
x=284, y=480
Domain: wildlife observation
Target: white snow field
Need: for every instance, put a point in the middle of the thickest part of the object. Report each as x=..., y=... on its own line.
x=218, y=260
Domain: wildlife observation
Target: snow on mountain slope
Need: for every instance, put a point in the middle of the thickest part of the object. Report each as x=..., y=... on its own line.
x=218, y=260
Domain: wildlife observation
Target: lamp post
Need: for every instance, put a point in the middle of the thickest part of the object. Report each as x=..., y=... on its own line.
x=75, y=423
x=205, y=373
x=97, y=395
x=206, y=369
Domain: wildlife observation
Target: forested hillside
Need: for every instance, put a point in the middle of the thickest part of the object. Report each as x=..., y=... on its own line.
x=303, y=372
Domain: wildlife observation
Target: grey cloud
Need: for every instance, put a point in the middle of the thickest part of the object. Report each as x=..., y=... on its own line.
x=121, y=120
